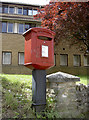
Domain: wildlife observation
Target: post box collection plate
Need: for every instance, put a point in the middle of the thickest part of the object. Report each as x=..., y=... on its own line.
x=44, y=51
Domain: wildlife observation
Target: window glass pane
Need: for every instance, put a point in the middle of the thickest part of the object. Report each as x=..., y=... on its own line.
x=27, y=26
x=6, y=58
x=0, y=9
x=21, y=58
x=4, y=27
x=11, y=10
x=21, y=28
x=10, y=27
x=20, y=11
x=5, y=9
x=34, y=12
x=25, y=11
x=86, y=60
x=30, y=12
x=76, y=60
x=64, y=60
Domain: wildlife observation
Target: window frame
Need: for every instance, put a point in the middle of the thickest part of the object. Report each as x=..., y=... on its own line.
x=10, y=57
x=18, y=10
x=23, y=28
x=3, y=9
x=87, y=60
x=66, y=59
x=31, y=11
x=8, y=27
x=24, y=8
x=35, y=11
x=9, y=9
x=18, y=58
x=79, y=60
x=4, y=27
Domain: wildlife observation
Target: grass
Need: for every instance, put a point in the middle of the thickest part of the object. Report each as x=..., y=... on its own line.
x=84, y=80
x=17, y=96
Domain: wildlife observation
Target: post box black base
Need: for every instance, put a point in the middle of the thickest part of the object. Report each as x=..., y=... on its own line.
x=39, y=90
x=38, y=108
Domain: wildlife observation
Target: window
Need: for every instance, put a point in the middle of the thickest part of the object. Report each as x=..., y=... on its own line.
x=0, y=9
x=76, y=60
x=34, y=12
x=21, y=58
x=11, y=10
x=20, y=11
x=5, y=9
x=86, y=60
x=21, y=28
x=6, y=58
x=27, y=26
x=25, y=11
x=15, y=27
x=10, y=27
x=64, y=59
x=4, y=27
x=7, y=27
x=30, y=12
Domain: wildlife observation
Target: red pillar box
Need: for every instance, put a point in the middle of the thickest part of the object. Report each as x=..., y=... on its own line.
x=39, y=48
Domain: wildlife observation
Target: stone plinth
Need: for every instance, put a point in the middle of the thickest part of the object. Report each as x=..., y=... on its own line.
x=62, y=87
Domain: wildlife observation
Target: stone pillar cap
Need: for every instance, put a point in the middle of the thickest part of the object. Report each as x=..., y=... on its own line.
x=62, y=77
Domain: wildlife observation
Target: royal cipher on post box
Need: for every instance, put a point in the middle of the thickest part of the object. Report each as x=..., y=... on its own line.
x=39, y=48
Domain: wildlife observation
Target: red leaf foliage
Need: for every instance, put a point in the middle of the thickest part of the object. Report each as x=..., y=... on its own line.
x=66, y=19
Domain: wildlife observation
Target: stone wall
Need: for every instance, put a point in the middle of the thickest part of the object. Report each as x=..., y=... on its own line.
x=71, y=100
x=82, y=70
x=12, y=69
x=82, y=93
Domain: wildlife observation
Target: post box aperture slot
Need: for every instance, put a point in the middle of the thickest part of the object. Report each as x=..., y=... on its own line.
x=44, y=38
x=44, y=51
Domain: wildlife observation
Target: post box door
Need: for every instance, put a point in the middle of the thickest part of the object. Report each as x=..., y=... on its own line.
x=44, y=50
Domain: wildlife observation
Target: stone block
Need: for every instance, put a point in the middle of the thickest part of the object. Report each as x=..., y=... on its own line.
x=61, y=77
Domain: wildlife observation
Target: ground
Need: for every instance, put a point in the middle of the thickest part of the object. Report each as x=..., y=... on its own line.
x=17, y=96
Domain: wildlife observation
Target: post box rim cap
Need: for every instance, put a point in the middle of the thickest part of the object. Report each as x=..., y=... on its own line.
x=38, y=28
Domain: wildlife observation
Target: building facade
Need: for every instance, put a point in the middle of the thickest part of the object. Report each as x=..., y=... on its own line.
x=71, y=59
x=16, y=18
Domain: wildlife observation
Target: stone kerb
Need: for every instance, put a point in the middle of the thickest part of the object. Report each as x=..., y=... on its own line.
x=62, y=87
